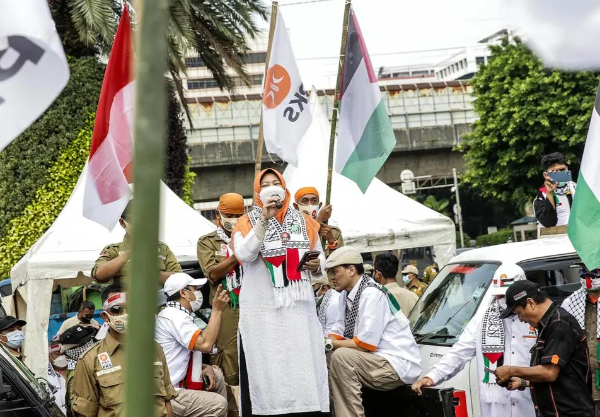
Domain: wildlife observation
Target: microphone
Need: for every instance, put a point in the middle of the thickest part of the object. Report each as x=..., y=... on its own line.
x=279, y=204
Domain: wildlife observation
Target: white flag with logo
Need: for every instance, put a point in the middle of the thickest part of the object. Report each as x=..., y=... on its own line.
x=33, y=67
x=286, y=114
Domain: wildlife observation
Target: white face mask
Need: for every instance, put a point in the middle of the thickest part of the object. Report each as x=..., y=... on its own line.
x=197, y=303
x=228, y=222
x=310, y=210
x=60, y=361
x=272, y=191
x=117, y=323
x=15, y=339
x=406, y=279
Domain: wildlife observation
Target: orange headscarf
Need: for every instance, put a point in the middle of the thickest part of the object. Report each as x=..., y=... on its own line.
x=231, y=203
x=305, y=190
x=245, y=226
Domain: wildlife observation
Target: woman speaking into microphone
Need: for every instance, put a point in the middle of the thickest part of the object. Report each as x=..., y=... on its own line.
x=282, y=356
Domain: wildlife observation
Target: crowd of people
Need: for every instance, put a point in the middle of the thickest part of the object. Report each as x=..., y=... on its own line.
x=297, y=326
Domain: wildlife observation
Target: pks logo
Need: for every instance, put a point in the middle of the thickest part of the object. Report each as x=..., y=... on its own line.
x=277, y=86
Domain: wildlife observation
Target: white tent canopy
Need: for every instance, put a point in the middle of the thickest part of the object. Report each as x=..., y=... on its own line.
x=66, y=253
x=382, y=218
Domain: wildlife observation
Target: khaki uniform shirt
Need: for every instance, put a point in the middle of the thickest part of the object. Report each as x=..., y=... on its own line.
x=211, y=251
x=98, y=384
x=166, y=259
x=418, y=288
x=429, y=274
x=591, y=327
x=407, y=299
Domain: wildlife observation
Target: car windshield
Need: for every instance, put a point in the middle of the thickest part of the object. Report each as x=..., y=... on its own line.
x=451, y=300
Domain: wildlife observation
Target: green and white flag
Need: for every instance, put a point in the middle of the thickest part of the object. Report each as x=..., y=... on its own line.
x=366, y=138
x=584, y=221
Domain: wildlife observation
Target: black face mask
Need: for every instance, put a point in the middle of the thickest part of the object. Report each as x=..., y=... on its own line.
x=86, y=319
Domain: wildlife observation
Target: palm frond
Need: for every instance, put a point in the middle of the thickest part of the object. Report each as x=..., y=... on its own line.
x=94, y=20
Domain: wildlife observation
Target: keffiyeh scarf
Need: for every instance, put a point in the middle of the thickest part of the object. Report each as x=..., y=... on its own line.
x=575, y=305
x=322, y=305
x=74, y=354
x=352, y=312
x=282, y=249
x=492, y=348
x=233, y=280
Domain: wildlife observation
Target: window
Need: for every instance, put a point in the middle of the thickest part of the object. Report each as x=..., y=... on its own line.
x=205, y=83
x=194, y=62
x=480, y=60
x=257, y=58
x=558, y=277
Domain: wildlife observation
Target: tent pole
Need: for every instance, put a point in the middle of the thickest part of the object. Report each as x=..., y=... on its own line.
x=261, y=139
x=336, y=101
x=150, y=131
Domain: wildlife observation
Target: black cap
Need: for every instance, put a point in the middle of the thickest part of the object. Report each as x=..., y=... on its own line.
x=9, y=321
x=520, y=290
x=77, y=335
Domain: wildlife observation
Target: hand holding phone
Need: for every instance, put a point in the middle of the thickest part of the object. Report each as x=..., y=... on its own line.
x=308, y=256
x=560, y=176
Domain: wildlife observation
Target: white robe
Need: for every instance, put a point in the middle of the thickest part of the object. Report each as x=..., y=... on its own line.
x=519, y=339
x=284, y=348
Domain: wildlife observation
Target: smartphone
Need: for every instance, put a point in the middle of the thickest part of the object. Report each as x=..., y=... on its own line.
x=206, y=382
x=308, y=256
x=560, y=176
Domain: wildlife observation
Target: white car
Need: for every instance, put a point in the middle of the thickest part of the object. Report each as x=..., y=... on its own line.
x=461, y=292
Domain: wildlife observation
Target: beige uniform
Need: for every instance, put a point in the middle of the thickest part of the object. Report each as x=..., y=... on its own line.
x=98, y=384
x=429, y=274
x=407, y=299
x=211, y=251
x=166, y=259
x=418, y=288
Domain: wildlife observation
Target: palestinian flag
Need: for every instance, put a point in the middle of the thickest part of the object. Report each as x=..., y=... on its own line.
x=584, y=220
x=365, y=138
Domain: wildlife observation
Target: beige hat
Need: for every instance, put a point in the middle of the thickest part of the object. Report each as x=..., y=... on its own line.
x=346, y=255
x=410, y=269
x=319, y=279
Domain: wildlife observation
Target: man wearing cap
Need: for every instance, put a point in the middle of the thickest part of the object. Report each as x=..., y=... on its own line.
x=11, y=335
x=98, y=384
x=307, y=201
x=57, y=373
x=559, y=372
x=385, y=269
x=113, y=262
x=74, y=342
x=583, y=305
x=183, y=343
x=493, y=342
x=372, y=341
x=328, y=302
x=221, y=267
x=410, y=277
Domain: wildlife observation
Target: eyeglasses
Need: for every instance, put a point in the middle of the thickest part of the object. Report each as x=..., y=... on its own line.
x=117, y=310
x=584, y=273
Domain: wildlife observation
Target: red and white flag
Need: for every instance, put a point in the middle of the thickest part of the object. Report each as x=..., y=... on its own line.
x=109, y=173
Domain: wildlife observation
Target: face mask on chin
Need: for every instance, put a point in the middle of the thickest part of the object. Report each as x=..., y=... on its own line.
x=311, y=210
x=272, y=191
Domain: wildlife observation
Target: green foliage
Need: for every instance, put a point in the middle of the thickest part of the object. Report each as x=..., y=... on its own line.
x=25, y=162
x=501, y=236
x=188, y=184
x=525, y=111
x=441, y=205
x=176, y=157
x=466, y=238
x=49, y=200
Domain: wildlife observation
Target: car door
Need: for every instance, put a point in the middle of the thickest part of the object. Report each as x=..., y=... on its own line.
x=557, y=276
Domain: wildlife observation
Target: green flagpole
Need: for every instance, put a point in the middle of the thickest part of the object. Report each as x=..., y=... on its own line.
x=149, y=135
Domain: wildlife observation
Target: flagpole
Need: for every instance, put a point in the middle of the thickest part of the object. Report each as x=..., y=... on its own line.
x=261, y=139
x=336, y=101
x=149, y=133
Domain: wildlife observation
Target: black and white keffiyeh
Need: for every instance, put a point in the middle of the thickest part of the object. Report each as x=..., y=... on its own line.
x=179, y=306
x=223, y=236
x=74, y=354
x=352, y=312
x=575, y=305
x=322, y=307
x=492, y=348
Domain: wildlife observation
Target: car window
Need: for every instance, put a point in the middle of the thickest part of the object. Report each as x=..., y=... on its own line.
x=557, y=277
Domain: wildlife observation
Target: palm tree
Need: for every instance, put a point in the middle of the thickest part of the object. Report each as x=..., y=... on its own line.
x=217, y=30
x=441, y=206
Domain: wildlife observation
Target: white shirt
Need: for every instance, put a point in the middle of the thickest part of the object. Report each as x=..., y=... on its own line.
x=331, y=312
x=58, y=381
x=382, y=333
x=177, y=333
x=519, y=339
x=74, y=321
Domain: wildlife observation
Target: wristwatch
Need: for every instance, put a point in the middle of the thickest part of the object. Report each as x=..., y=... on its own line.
x=523, y=385
x=328, y=345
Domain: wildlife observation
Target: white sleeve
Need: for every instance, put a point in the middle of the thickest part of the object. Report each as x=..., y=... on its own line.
x=247, y=247
x=332, y=314
x=185, y=331
x=373, y=316
x=455, y=360
x=338, y=326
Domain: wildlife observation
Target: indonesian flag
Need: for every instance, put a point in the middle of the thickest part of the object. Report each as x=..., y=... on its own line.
x=584, y=220
x=107, y=190
x=366, y=138
x=286, y=114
